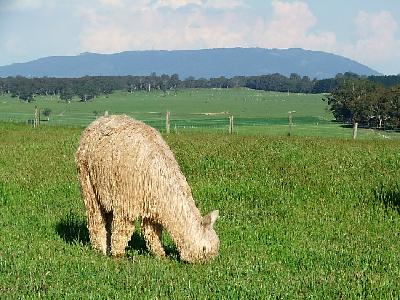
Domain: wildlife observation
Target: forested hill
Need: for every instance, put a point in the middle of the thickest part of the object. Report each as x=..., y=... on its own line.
x=209, y=63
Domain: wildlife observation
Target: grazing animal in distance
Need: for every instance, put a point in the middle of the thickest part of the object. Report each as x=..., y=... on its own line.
x=126, y=170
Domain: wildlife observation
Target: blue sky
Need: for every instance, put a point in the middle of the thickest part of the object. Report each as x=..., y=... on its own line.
x=367, y=31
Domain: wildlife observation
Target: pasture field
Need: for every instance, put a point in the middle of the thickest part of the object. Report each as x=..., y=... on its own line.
x=299, y=218
x=191, y=110
x=255, y=112
x=240, y=102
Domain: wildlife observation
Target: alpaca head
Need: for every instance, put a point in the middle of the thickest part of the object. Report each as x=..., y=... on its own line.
x=207, y=246
x=210, y=243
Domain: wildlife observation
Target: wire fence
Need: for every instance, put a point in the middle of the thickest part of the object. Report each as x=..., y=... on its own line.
x=214, y=123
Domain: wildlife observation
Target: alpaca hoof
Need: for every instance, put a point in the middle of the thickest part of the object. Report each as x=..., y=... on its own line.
x=117, y=255
x=160, y=257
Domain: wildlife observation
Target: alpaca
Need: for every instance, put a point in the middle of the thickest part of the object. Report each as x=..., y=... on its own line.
x=126, y=171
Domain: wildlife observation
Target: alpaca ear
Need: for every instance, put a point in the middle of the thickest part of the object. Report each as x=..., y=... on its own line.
x=209, y=220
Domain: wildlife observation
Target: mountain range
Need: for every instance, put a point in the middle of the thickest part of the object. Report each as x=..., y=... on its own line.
x=206, y=63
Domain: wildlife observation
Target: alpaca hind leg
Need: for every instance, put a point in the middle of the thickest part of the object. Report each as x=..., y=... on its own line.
x=95, y=215
x=152, y=234
x=122, y=230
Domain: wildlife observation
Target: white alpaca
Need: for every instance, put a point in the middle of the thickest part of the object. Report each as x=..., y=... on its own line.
x=127, y=171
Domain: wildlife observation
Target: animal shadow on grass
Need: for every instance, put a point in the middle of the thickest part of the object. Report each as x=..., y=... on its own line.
x=390, y=198
x=138, y=244
x=172, y=252
x=72, y=229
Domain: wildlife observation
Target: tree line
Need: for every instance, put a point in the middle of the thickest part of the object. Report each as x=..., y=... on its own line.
x=86, y=88
x=89, y=87
x=371, y=102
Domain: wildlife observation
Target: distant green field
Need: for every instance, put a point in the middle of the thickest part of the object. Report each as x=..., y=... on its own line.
x=246, y=105
x=255, y=112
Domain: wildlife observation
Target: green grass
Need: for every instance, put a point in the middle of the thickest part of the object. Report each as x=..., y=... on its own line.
x=188, y=108
x=255, y=112
x=300, y=218
x=239, y=102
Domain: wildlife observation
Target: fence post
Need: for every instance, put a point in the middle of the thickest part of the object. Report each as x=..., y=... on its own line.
x=36, y=119
x=167, y=125
x=230, y=124
x=355, y=129
x=290, y=122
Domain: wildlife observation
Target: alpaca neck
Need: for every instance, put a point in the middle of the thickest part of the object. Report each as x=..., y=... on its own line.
x=179, y=214
x=186, y=229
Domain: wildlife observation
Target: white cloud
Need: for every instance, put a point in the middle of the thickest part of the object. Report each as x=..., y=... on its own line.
x=174, y=4
x=142, y=5
x=151, y=27
x=91, y=16
x=291, y=26
x=377, y=44
x=147, y=26
x=105, y=39
x=293, y=23
x=208, y=24
x=155, y=34
x=381, y=23
x=226, y=4
x=113, y=3
x=16, y=45
x=16, y=5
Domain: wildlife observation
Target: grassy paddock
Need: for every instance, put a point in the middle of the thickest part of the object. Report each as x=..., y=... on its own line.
x=191, y=109
x=300, y=218
x=143, y=105
x=255, y=112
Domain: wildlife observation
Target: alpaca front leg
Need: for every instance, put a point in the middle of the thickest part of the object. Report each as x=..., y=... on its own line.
x=95, y=216
x=152, y=235
x=122, y=230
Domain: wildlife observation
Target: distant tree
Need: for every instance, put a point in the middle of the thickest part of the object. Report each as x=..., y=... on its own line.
x=86, y=90
x=393, y=114
x=26, y=95
x=324, y=85
x=190, y=82
x=67, y=94
x=238, y=81
x=164, y=83
x=46, y=112
x=295, y=77
x=359, y=100
x=24, y=89
x=201, y=83
x=306, y=85
x=388, y=81
x=174, y=82
x=152, y=81
x=131, y=84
